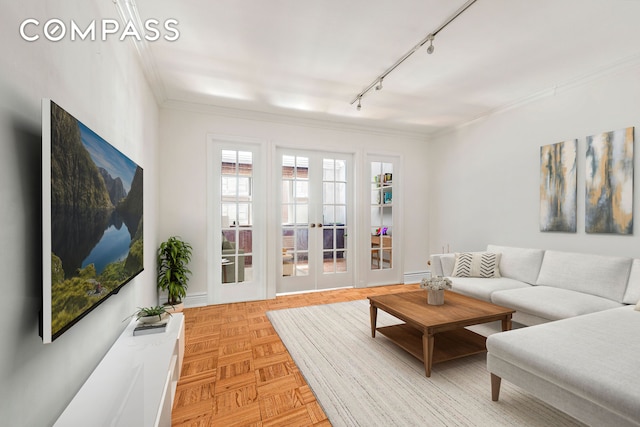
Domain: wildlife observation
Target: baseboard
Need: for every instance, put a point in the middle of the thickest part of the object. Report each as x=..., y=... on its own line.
x=196, y=300
x=414, y=277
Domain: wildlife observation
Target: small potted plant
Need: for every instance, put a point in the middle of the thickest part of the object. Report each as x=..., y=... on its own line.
x=173, y=273
x=435, y=289
x=150, y=314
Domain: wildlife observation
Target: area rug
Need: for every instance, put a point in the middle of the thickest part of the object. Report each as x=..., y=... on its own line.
x=362, y=381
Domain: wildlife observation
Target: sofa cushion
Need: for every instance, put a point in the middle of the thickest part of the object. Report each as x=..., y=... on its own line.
x=441, y=264
x=603, y=276
x=552, y=303
x=519, y=263
x=632, y=294
x=593, y=356
x=483, y=288
x=477, y=264
x=446, y=262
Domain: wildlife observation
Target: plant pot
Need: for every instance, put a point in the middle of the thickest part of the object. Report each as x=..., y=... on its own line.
x=435, y=297
x=175, y=308
x=153, y=319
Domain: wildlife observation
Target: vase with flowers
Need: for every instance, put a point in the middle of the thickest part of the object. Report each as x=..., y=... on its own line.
x=435, y=288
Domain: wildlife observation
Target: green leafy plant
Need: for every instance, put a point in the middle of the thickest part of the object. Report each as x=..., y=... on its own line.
x=173, y=274
x=158, y=311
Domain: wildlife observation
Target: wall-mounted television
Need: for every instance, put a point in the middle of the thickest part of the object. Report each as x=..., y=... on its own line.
x=92, y=220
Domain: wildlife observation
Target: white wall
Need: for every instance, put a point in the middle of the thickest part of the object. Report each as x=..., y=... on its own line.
x=485, y=177
x=101, y=83
x=183, y=197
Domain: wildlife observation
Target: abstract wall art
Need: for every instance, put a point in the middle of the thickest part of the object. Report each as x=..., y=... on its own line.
x=558, y=186
x=609, y=182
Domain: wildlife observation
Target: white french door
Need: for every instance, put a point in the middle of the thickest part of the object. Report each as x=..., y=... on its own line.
x=315, y=214
x=236, y=238
x=382, y=176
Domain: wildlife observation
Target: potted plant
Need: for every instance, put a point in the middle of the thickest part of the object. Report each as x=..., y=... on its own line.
x=435, y=289
x=150, y=314
x=173, y=274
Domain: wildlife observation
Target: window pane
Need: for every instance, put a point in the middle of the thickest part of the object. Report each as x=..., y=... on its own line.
x=375, y=259
x=341, y=171
x=376, y=170
x=376, y=217
x=229, y=214
x=328, y=216
x=328, y=166
x=329, y=192
x=302, y=239
x=327, y=241
x=288, y=239
x=244, y=214
x=302, y=167
x=341, y=238
x=387, y=216
x=302, y=190
x=386, y=258
x=302, y=264
x=341, y=193
x=302, y=214
x=246, y=242
x=328, y=266
x=341, y=215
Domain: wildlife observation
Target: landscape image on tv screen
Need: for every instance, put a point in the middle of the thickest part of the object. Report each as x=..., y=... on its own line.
x=96, y=220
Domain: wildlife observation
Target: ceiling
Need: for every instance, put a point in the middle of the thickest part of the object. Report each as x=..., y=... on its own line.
x=310, y=59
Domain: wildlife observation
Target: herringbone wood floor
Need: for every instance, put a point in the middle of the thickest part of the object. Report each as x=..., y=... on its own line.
x=237, y=371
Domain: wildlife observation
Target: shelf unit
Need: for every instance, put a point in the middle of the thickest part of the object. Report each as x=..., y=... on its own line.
x=134, y=384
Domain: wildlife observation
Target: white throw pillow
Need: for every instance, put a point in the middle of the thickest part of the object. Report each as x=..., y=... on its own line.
x=477, y=264
x=638, y=306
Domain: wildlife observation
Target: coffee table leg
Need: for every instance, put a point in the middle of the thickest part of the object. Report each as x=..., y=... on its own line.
x=506, y=323
x=373, y=310
x=427, y=352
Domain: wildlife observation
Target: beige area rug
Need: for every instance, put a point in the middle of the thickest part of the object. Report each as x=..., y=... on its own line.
x=362, y=381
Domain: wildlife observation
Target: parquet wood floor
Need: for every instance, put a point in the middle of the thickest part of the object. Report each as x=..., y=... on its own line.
x=237, y=372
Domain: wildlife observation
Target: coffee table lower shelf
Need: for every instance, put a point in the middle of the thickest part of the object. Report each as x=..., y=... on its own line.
x=447, y=345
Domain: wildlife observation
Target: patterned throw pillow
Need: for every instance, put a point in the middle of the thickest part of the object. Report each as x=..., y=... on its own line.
x=477, y=264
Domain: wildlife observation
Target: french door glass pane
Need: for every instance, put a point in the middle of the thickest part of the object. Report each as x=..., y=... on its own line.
x=381, y=215
x=334, y=211
x=295, y=215
x=236, y=209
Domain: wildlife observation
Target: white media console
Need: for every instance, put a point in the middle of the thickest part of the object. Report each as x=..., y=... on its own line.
x=134, y=384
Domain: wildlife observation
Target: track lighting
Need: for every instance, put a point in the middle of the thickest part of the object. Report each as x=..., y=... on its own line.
x=430, y=48
x=377, y=83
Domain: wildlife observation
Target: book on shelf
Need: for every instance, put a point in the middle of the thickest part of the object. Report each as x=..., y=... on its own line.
x=150, y=328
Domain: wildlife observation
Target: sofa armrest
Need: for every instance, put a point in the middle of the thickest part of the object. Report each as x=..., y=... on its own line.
x=442, y=264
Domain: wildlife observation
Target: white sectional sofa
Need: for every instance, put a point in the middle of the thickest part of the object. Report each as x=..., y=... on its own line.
x=580, y=353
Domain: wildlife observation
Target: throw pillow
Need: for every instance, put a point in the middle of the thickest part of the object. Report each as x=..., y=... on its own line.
x=638, y=306
x=477, y=264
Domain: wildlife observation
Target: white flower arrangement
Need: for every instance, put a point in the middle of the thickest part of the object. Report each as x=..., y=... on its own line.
x=435, y=283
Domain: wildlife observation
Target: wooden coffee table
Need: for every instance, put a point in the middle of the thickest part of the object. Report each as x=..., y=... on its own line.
x=436, y=333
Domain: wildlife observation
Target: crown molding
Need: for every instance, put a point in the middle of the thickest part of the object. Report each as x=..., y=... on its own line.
x=128, y=11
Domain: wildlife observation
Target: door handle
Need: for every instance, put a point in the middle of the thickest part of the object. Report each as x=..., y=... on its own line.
x=312, y=225
x=319, y=225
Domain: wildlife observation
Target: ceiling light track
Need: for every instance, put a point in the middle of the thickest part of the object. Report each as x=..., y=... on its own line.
x=377, y=83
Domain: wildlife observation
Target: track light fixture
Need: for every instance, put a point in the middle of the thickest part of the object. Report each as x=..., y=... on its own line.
x=430, y=48
x=377, y=83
